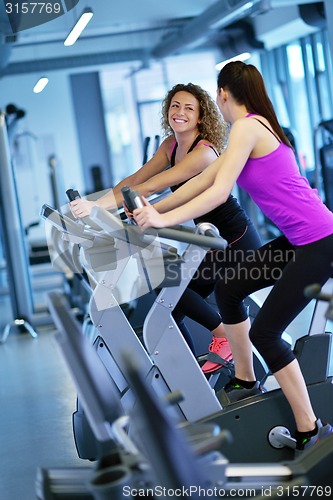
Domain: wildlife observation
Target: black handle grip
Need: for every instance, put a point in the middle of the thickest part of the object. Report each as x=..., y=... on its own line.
x=72, y=194
x=131, y=198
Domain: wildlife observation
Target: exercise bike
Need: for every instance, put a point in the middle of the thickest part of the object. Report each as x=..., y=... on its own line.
x=163, y=457
x=262, y=413
x=159, y=326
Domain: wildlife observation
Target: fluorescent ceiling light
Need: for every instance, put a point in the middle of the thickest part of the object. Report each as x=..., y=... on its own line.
x=41, y=84
x=79, y=26
x=241, y=57
x=232, y=16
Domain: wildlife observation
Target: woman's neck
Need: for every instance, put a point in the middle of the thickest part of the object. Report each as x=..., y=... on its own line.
x=185, y=140
x=238, y=111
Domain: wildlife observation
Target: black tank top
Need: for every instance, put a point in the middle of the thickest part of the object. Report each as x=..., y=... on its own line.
x=229, y=218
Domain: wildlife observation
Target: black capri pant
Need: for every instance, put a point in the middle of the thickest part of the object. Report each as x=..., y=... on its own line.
x=290, y=269
x=212, y=269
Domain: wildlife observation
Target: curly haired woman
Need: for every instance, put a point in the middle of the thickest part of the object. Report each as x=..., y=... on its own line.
x=195, y=134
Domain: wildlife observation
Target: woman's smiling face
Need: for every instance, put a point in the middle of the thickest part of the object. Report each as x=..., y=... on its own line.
x=184, y=111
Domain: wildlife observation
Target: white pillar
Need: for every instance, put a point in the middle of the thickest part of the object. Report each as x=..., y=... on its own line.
x=329, y=20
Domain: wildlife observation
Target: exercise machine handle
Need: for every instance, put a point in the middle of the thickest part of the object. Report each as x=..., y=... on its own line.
x=314, y=292
x=73, y=194
x=63, y=223
x=208, y=229
x=184, y=234
x=132, y=198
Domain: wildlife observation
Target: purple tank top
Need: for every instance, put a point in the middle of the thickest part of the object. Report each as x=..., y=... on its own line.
x=275, y=184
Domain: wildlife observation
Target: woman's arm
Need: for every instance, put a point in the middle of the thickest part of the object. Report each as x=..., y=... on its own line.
x=147, y=183
x=157, y=164
x=228, y=168
x=192, y=188
x=192, y=164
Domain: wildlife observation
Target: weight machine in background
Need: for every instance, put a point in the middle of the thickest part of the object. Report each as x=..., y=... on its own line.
x=25, y=317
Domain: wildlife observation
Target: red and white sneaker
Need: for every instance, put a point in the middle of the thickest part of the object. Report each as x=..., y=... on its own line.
x=219, y=353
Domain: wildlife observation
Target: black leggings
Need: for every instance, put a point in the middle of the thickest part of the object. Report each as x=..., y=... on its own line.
x=290, y=269
x=212, y=269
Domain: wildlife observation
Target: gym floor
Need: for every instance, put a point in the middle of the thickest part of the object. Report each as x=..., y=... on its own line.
x=37, y=399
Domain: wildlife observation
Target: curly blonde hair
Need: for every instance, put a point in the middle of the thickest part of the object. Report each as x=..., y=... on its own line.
x=212, y=127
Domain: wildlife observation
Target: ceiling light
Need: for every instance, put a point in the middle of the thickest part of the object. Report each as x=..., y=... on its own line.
x=41, y=84
x=234, y=15
x=79, y=26
x=241, y=57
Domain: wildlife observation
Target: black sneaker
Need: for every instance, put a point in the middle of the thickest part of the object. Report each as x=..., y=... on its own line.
x=324, y=430
x=234, y=392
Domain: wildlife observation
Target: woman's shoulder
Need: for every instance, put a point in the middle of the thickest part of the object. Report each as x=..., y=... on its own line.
x=254, y=120
x=167, y=145
x=168, y=142
x=247, y=128
x=204, y=143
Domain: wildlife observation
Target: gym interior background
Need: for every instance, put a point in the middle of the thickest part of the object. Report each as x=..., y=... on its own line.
x=88, y=129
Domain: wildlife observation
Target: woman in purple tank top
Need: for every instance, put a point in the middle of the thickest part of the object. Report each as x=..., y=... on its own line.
x=260, y=158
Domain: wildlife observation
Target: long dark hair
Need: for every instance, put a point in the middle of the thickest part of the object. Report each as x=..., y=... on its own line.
x=247, y=86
